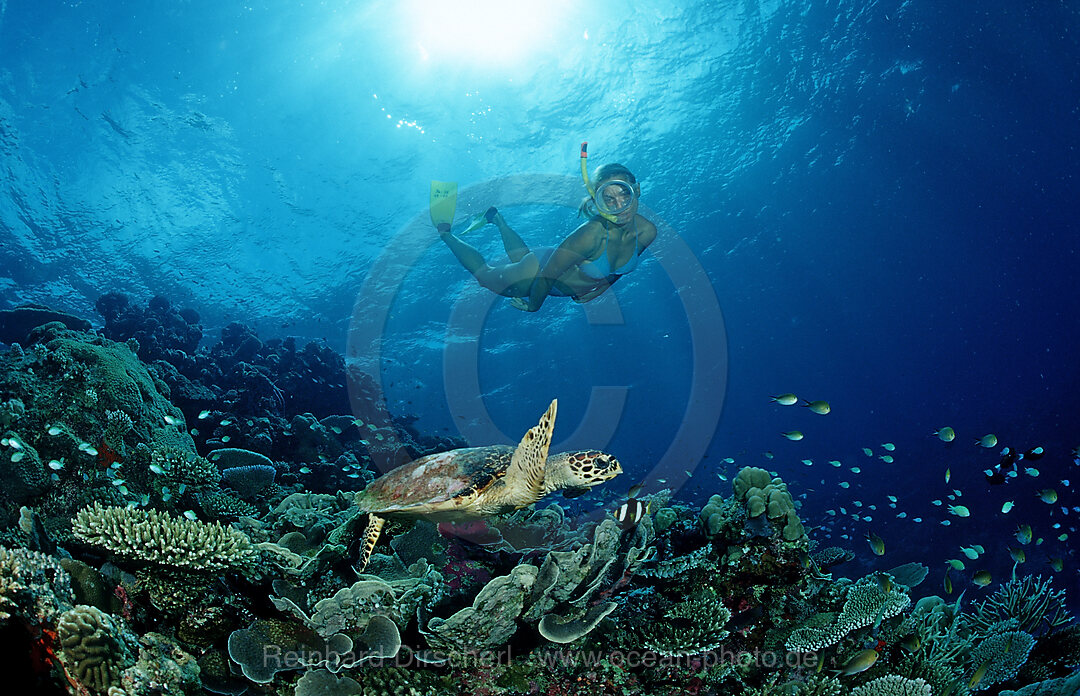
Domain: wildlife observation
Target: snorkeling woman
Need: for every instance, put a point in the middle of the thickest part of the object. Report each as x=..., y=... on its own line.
x=588, y=262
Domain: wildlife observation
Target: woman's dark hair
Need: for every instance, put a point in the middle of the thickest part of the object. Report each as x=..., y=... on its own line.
x=612, y=170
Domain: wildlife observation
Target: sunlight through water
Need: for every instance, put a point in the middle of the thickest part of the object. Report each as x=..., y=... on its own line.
x=483, y=32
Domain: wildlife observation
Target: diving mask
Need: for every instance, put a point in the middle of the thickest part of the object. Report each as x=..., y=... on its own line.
x=614, y=197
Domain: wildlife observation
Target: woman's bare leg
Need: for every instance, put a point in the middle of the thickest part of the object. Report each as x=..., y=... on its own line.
x=470, y=258
x=515, y=246
x=508, y=280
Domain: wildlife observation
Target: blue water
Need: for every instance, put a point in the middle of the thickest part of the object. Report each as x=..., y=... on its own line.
x=872, y=203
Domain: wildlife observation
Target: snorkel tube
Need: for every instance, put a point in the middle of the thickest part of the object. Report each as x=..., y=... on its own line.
x=588, y=184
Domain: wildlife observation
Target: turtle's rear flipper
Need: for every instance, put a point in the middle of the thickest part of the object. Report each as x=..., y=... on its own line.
x=371, y=535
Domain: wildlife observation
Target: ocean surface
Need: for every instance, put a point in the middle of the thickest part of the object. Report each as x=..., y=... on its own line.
x=869, y=203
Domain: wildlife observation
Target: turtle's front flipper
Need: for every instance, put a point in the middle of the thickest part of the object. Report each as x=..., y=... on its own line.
x=528, y=463
x=371, y=535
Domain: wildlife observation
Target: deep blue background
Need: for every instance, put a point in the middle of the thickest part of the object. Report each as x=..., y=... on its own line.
x=882, y=194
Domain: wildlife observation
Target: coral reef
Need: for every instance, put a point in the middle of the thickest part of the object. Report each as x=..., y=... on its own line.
x=180, y=520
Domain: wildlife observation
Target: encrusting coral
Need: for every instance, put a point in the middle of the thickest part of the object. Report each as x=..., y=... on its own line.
x=33, y=586
x=491, y=619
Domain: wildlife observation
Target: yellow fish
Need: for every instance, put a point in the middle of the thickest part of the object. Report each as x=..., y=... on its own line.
x=877, y=544
x=1017, y=555
x=785, y=399
x=989, y=440
x=946, y=434
x=1048, y=496
x=948, y=582
x=979, y=674
x=982, y=578
x=793, y=435
x=1057, y=564
x=860, y=662
x=948, y=475
x=1023, y=534
x=911, y=643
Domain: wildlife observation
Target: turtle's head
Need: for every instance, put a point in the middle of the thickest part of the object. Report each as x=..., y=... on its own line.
x=580, y=470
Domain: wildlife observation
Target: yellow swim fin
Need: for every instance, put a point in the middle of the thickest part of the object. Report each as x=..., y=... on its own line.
x=481, y=219
x=443, y=202
x=478, y=221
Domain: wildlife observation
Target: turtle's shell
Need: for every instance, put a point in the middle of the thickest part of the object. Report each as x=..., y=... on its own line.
x=436, y=478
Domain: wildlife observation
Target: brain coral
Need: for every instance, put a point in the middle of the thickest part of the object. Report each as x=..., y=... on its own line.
x=93, y=647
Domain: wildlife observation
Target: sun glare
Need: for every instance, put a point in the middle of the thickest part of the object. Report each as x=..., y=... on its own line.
x=484, y=32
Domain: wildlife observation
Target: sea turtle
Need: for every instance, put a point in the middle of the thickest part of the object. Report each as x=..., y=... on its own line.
x=475, y=482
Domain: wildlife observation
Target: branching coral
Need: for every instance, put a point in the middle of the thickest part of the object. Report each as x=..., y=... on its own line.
x=893, y=685
x=941, y=631
x=154, y=537
x=867, y=603
x=693, y=626
x=1029, y=600
x=182, y=466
